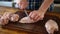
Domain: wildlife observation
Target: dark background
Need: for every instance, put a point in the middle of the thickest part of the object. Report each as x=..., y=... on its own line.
x=55, y=1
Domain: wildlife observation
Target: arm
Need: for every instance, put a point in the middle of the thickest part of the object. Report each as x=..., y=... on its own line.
x=45, y=5
x=22, y=4
x=39, y=14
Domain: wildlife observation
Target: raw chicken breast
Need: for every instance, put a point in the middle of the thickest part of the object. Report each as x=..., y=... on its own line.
x=51, y=26
x=3, y=20
x=7, y=14
x=26, y=20
x=14, y=17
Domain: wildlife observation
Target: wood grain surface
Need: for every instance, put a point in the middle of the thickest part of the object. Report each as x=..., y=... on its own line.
x=37, y=28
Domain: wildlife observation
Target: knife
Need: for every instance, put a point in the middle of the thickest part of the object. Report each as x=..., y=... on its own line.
x=26, y=12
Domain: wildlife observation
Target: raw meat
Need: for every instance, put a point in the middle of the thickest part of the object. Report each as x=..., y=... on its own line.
x=51, y=26
x=26, y=20
x=14, y=17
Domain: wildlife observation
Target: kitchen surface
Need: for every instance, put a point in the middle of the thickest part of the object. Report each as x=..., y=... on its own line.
x=16, y=28
x=8, y=29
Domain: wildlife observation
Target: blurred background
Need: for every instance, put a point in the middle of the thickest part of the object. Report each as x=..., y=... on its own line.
x=11, y=3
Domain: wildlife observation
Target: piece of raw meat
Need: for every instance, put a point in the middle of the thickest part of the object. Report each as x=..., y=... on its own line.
x=51, y=26
x=14, y=17
x=7, y=14
x=26, y=20
x=3, y=21
x=5, y=18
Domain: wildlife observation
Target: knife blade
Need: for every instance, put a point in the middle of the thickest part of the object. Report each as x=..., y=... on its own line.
x=26, y=12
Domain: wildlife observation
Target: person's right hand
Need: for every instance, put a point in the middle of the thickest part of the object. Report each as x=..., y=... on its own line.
x=22, y=4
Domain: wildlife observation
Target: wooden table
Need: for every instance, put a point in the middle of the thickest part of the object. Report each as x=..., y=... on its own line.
x=7, y=31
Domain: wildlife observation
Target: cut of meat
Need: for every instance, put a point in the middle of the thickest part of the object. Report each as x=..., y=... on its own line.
x=7, y=14
x=5, y=18
x=14, y=17
x=26, y=20
x=3, y=21
x=51, y=26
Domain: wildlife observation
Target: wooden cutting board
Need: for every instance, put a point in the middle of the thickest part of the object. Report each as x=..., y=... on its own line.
x=37, y=28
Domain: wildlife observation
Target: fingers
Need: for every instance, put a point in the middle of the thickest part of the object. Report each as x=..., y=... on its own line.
x=35, y=16
x=30, y=14
x=23, y=4
x=40, y=18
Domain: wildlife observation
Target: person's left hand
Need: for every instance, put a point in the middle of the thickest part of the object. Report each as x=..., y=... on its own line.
x=36, y=15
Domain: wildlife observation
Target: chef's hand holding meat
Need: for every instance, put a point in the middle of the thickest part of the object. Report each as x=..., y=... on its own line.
x=51, y=26
x=33, y=17
x=38, y=10
x=36, y=15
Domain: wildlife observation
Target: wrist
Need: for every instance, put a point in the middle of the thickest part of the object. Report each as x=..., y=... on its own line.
x=41, y=11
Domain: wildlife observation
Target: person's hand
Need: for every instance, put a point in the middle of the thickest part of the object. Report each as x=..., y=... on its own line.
x=22, y=4
x=36, y=15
